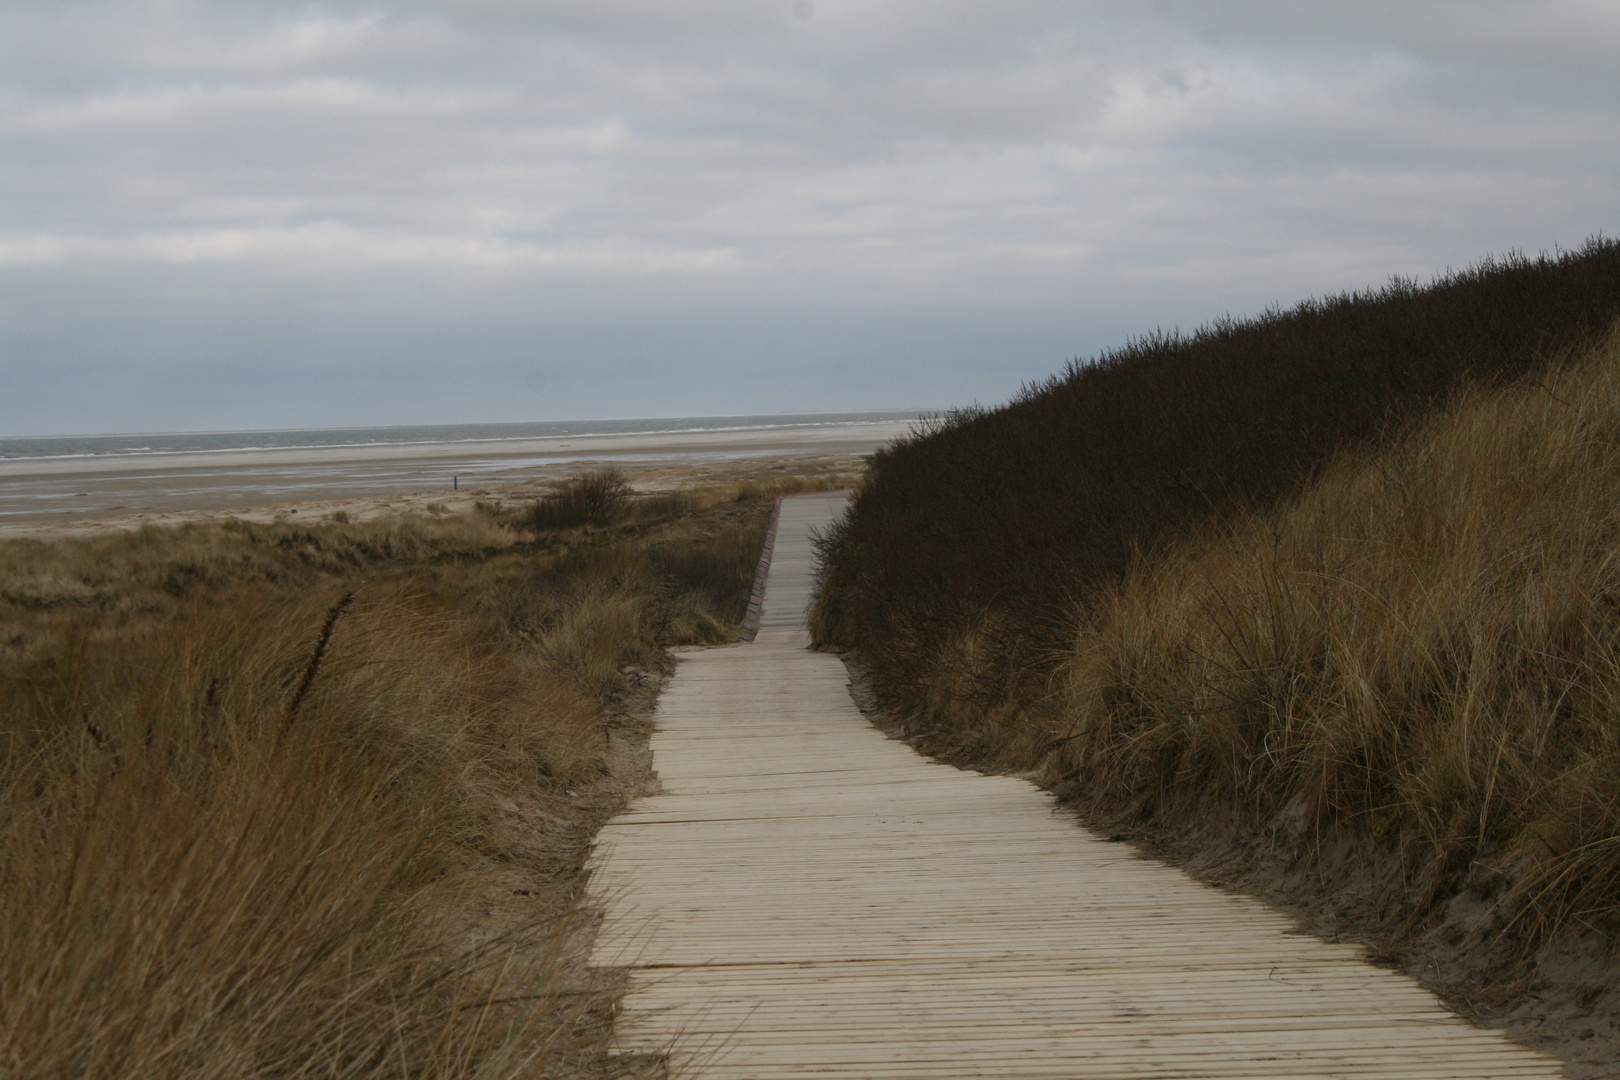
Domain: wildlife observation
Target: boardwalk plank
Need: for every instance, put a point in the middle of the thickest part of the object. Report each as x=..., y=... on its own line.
x=808, y=898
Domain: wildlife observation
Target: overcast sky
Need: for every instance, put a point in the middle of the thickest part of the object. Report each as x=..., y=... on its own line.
x=223, y=213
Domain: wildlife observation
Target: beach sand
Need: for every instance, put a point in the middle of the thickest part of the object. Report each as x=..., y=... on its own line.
x=87, y=496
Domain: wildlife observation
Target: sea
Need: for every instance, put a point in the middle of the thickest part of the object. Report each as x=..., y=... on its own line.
x=48, y=447
x=60, y=478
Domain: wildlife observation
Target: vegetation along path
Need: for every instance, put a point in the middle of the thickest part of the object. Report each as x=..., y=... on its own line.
x=806, y=897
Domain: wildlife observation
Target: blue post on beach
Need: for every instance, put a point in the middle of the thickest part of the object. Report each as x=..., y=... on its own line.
x=455, y=483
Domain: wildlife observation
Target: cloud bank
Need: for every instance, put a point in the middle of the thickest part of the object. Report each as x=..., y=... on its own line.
x=260, y=214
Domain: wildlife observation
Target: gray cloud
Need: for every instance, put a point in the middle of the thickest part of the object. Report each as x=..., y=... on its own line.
x=220, y=214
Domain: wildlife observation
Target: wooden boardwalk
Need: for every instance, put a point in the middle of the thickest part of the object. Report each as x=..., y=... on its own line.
x=808, y=898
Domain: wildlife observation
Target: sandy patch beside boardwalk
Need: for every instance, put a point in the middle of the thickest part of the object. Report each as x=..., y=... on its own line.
x=85, y=497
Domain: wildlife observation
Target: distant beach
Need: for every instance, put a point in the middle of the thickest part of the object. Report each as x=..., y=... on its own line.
x=82, y=483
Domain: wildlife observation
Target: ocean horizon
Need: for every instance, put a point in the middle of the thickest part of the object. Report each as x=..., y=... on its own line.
x=57, y=447
x=76, y=475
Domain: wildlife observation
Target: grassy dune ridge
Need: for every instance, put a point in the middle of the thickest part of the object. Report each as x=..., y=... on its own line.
x=282, y=801
x=1057, y=492
x=1389, y=654
x=1425, y=643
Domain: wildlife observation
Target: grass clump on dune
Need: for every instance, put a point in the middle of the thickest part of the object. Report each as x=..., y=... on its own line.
x=1424, y=645
x=282, y=801
x=598, y=497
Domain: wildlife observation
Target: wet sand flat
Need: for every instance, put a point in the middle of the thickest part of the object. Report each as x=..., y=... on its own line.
x=85, y=495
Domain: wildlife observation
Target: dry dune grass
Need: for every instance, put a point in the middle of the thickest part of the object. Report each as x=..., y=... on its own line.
x=1322, y=603
x=281, y=801
x=790, y=485
x=147, y=568
x=1345, y=563
x=1003, y=510
x=1425, y=643
x=1422, y=648
x=605, y=496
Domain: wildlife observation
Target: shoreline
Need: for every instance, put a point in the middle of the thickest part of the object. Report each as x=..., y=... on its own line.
x=103, y=496
x=549, y=449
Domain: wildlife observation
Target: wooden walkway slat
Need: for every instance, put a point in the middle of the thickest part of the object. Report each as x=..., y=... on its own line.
x=808, y=898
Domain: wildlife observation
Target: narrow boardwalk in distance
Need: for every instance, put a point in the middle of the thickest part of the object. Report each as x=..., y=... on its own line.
x=808, y=898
